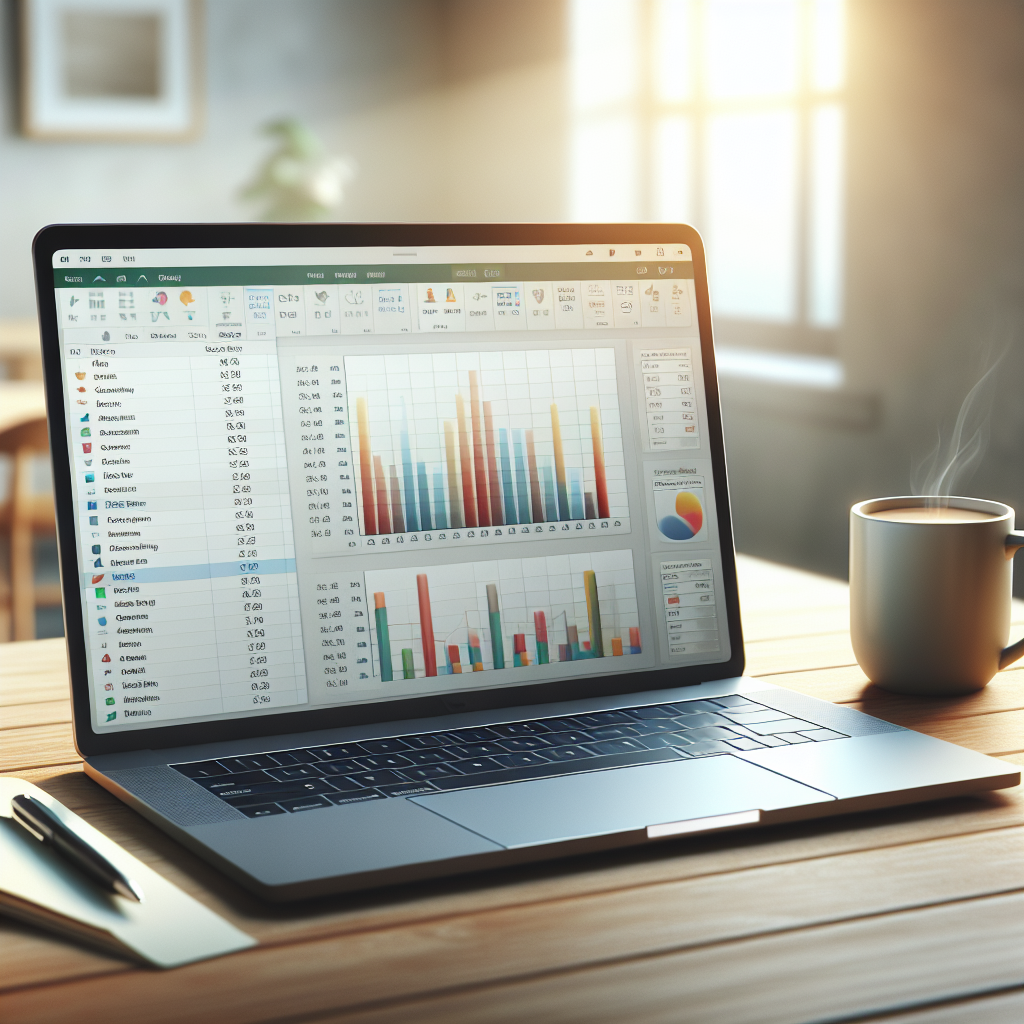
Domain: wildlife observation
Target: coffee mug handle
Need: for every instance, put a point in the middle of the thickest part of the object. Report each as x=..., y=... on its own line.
x=1014, y=542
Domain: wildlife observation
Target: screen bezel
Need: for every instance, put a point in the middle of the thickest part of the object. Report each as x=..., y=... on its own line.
x=169, y=236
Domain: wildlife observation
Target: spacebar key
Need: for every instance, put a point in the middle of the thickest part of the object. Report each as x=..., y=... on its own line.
x=540, y=771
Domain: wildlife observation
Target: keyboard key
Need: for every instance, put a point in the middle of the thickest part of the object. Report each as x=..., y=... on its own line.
x=623, y=746
x=390, y=746
x=661, y=739
x=346, y=784
x=752, y=717
x=734, y=700
x=568, y=753
x=818, y=735
x=612, y=732
x=598, y=718
x=432, y=755
x=331, y=768
x=261, y=810
x=430, y=771
x=407, y=789
x=359, y=797
x=304, y=803
x=780, y=725
x=478, y=750
x=712, y=732
x=337, y=751
x=272, y=790
x=381, y=778
x=425, y=740
x=201, y=769
x=283, y=757
x=693, y=707
x=652, y=726
x=656, y=711
x=704, y=747
x=699, y=720
x=523, y=743
x=250, y=763
x=302, y=756
x=743, y=743
x=794, y=737
x=472, y=735
x=219, y=782
x=521, y=729
x=475, y=765
x=560, y=739
x=294, y=772
x=521, y=759
x=772, y=741
x=376, y=761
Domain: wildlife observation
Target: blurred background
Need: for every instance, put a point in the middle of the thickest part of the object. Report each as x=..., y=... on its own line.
x=855, y=167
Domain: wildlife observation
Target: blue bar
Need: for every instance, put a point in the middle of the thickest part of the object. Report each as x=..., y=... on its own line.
x=421, y=475
x=576, y=490
x=548, y=483
x=506, y=478
x=411, y=521
x=440, y=513
x=522, y=492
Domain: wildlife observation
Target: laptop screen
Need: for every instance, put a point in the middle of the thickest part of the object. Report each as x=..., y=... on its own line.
x=310, y=478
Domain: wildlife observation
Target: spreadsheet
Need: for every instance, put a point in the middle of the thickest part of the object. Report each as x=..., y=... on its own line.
x=306, y=479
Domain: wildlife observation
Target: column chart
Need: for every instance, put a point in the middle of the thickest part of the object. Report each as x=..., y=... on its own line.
x=503, y=614
x=485, y=445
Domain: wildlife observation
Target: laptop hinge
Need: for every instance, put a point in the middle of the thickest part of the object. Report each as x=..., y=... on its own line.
x=713, y=821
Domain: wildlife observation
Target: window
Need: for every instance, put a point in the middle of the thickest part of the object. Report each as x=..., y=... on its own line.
x=729, y=115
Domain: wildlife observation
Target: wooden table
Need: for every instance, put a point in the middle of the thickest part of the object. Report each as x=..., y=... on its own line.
x=848, y=917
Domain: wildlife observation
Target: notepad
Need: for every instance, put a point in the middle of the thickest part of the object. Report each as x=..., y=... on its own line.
x=38, y=885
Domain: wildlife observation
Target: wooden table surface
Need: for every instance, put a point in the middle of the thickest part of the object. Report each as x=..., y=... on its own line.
x=845, y=918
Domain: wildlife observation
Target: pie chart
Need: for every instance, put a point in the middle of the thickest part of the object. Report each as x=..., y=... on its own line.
x=686, y=518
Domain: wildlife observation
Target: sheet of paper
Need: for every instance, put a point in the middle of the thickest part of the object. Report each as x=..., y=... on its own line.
x=167, y=929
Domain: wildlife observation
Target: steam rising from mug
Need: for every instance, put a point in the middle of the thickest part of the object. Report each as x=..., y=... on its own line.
x=938, y=473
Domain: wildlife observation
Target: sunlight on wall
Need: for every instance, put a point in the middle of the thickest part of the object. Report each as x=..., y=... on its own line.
x=726, y=114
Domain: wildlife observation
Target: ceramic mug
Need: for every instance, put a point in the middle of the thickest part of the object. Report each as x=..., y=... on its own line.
x=930, y=591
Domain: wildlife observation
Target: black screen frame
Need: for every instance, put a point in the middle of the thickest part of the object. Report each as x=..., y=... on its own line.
x=170, y=236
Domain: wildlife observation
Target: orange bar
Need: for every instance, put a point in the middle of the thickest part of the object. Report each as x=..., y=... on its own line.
x=454, y=502
x=492, y=467
x=479, y=458
x=600, y=479
x=616, y=647
x=426, y=625
x=365, y=471
x=468, y=490
x=383, y=519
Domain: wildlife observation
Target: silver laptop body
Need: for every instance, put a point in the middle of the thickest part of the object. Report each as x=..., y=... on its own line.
x=398, y=551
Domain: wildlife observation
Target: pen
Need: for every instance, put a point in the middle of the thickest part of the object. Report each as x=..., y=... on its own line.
x=38, y=819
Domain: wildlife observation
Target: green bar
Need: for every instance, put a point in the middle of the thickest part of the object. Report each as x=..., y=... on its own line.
x=593, y=614
x=542, y=652
x=408, y=672
x=384, y=645
x=494, y=620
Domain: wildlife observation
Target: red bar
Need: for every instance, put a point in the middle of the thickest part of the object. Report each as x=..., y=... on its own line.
x=397, y=516
x=455, y=658
x=383, y=519
x=497, y=518
x=536, y=501
x=634, y=636
x=479, y=458
x=426, y=625
x=540, y=624
x=468, y=490
x=600, y=479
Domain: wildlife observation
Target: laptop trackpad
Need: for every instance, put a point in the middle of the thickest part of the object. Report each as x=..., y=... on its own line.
x=617, y=800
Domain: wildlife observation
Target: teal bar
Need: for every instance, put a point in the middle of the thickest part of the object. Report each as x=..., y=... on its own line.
x=384, y=644
x=522, y=493
x=494, y=621
x=506, y=478
x=421, y=477
x=411, y=519
x=408, y=670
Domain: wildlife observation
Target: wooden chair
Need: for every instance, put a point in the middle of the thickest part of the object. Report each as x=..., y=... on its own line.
x=24, y=514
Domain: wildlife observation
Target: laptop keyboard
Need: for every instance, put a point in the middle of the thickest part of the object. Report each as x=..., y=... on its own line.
x=287, y=781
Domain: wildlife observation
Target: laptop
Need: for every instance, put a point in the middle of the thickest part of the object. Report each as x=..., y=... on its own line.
x=399, y=551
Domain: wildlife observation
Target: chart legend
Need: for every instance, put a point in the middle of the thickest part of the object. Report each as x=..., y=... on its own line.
x=503, y=614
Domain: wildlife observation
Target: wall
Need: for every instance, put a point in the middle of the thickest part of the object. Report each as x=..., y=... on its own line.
x=934, y=281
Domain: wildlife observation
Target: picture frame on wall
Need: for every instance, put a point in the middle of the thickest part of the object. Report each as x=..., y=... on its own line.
x=110, y=69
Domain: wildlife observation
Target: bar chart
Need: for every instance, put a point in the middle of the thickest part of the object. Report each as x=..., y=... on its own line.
x=503, y=614
x=505, y=439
